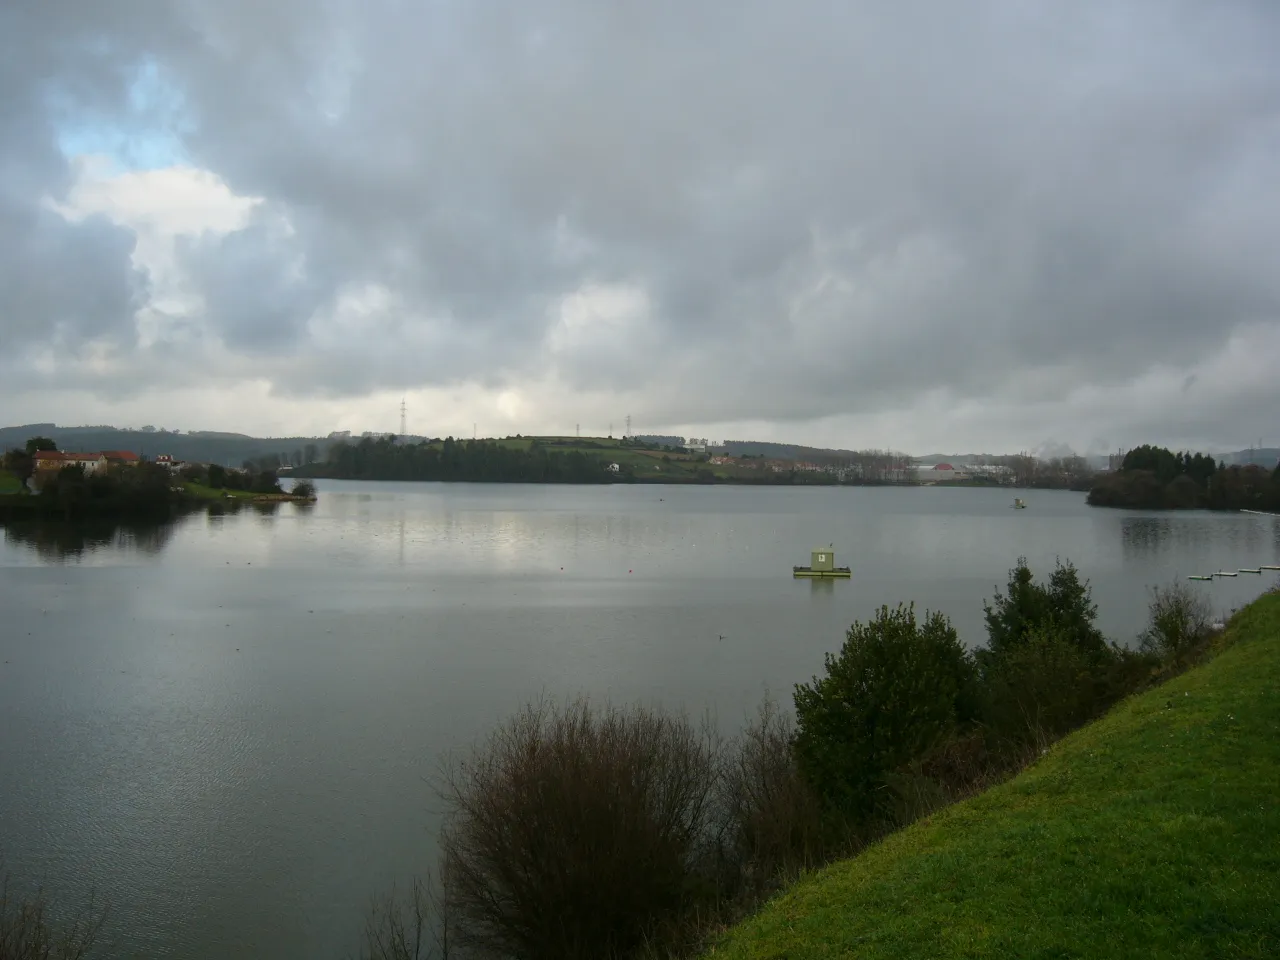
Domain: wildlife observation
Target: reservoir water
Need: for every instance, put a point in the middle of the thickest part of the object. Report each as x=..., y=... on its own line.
x=227, y=727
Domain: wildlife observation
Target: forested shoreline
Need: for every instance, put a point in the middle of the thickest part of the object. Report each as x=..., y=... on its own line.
x=477, y=461
x=1154, y=478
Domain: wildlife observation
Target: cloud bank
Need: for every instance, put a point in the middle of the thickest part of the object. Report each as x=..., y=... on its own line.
x=913, y=224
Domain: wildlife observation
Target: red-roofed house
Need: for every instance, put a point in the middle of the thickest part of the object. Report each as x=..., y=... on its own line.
x=121, y=457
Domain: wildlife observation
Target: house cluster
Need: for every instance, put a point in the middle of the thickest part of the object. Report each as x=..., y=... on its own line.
x=772, y=466
x=54, y=460
x=934, y=473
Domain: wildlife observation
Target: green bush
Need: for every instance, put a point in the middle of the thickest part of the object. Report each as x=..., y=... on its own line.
x=1028, y=607
x=1038, y=689
x=896, y=688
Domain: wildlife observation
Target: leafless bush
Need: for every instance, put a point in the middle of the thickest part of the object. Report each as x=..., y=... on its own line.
x=413, y=928
x=775, y=818
x=580, y=832
x=1179, y=622
x=30, y=930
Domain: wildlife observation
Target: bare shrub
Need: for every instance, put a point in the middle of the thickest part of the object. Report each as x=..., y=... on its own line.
x=31, y=930
x=775, y=817
x=1179, y=622
x=580, y=832
x=413, y=928
x=955, y=768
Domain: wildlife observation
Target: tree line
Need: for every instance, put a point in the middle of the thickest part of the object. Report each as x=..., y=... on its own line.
x=478, y=461
x=1155, y=478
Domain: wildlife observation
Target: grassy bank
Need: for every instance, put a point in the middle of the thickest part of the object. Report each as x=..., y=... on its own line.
x=9, y=484
x=1151, y=832
x=201, y=492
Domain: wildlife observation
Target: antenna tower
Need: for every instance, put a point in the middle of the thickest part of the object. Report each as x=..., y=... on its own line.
x=403, y=431
x=628, y=425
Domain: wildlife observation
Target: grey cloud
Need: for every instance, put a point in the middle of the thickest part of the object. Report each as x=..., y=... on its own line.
x=831, y=208
x=61, y=283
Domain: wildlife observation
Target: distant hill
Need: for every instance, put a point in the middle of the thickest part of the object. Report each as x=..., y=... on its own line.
x=228, y=449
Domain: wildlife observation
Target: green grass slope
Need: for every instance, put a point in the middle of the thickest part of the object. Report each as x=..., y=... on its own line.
x=1153, y=832
x=9, y=483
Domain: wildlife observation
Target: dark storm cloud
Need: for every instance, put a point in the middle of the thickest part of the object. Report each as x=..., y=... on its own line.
x=815, y=208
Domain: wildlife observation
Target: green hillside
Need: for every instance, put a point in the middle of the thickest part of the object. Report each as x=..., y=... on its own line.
x=1153, y=832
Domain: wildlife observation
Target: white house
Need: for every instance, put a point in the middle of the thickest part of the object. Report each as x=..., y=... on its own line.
x=55, y=460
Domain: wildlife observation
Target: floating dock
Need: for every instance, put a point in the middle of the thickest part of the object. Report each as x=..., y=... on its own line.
x=822, y=566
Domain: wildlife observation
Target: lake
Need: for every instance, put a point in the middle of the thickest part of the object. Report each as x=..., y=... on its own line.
x=227, y=726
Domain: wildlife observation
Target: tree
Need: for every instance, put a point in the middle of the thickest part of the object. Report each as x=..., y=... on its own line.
x=310, y=453
x=1040, y=688
x=1064, y=603
x=895, y=688
x=265, y=482
x=39, y=445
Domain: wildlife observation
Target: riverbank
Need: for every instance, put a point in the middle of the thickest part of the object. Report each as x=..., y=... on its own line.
x=201, y=493
x=173, y=503
x=1140, y=833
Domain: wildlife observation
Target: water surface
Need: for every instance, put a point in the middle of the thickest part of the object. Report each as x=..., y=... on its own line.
x=227, y=726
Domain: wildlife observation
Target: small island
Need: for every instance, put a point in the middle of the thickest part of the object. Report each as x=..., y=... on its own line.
x=39, y=481
x=1154, y=478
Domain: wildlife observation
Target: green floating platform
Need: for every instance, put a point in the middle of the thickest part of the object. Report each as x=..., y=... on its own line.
x=823, y=566
x=835, y=573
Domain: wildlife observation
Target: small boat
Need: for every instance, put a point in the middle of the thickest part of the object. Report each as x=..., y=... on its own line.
x=1199, y=578
x=1250, y=569
x=1019, y=503
x=822, y=565
x=1269, y=566
x=1226, y=573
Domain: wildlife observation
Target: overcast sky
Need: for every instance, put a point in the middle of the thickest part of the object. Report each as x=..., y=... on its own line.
x=924, y=225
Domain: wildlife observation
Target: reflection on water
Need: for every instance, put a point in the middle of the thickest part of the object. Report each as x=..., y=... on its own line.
x=1190, y=534
x=60, y=541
